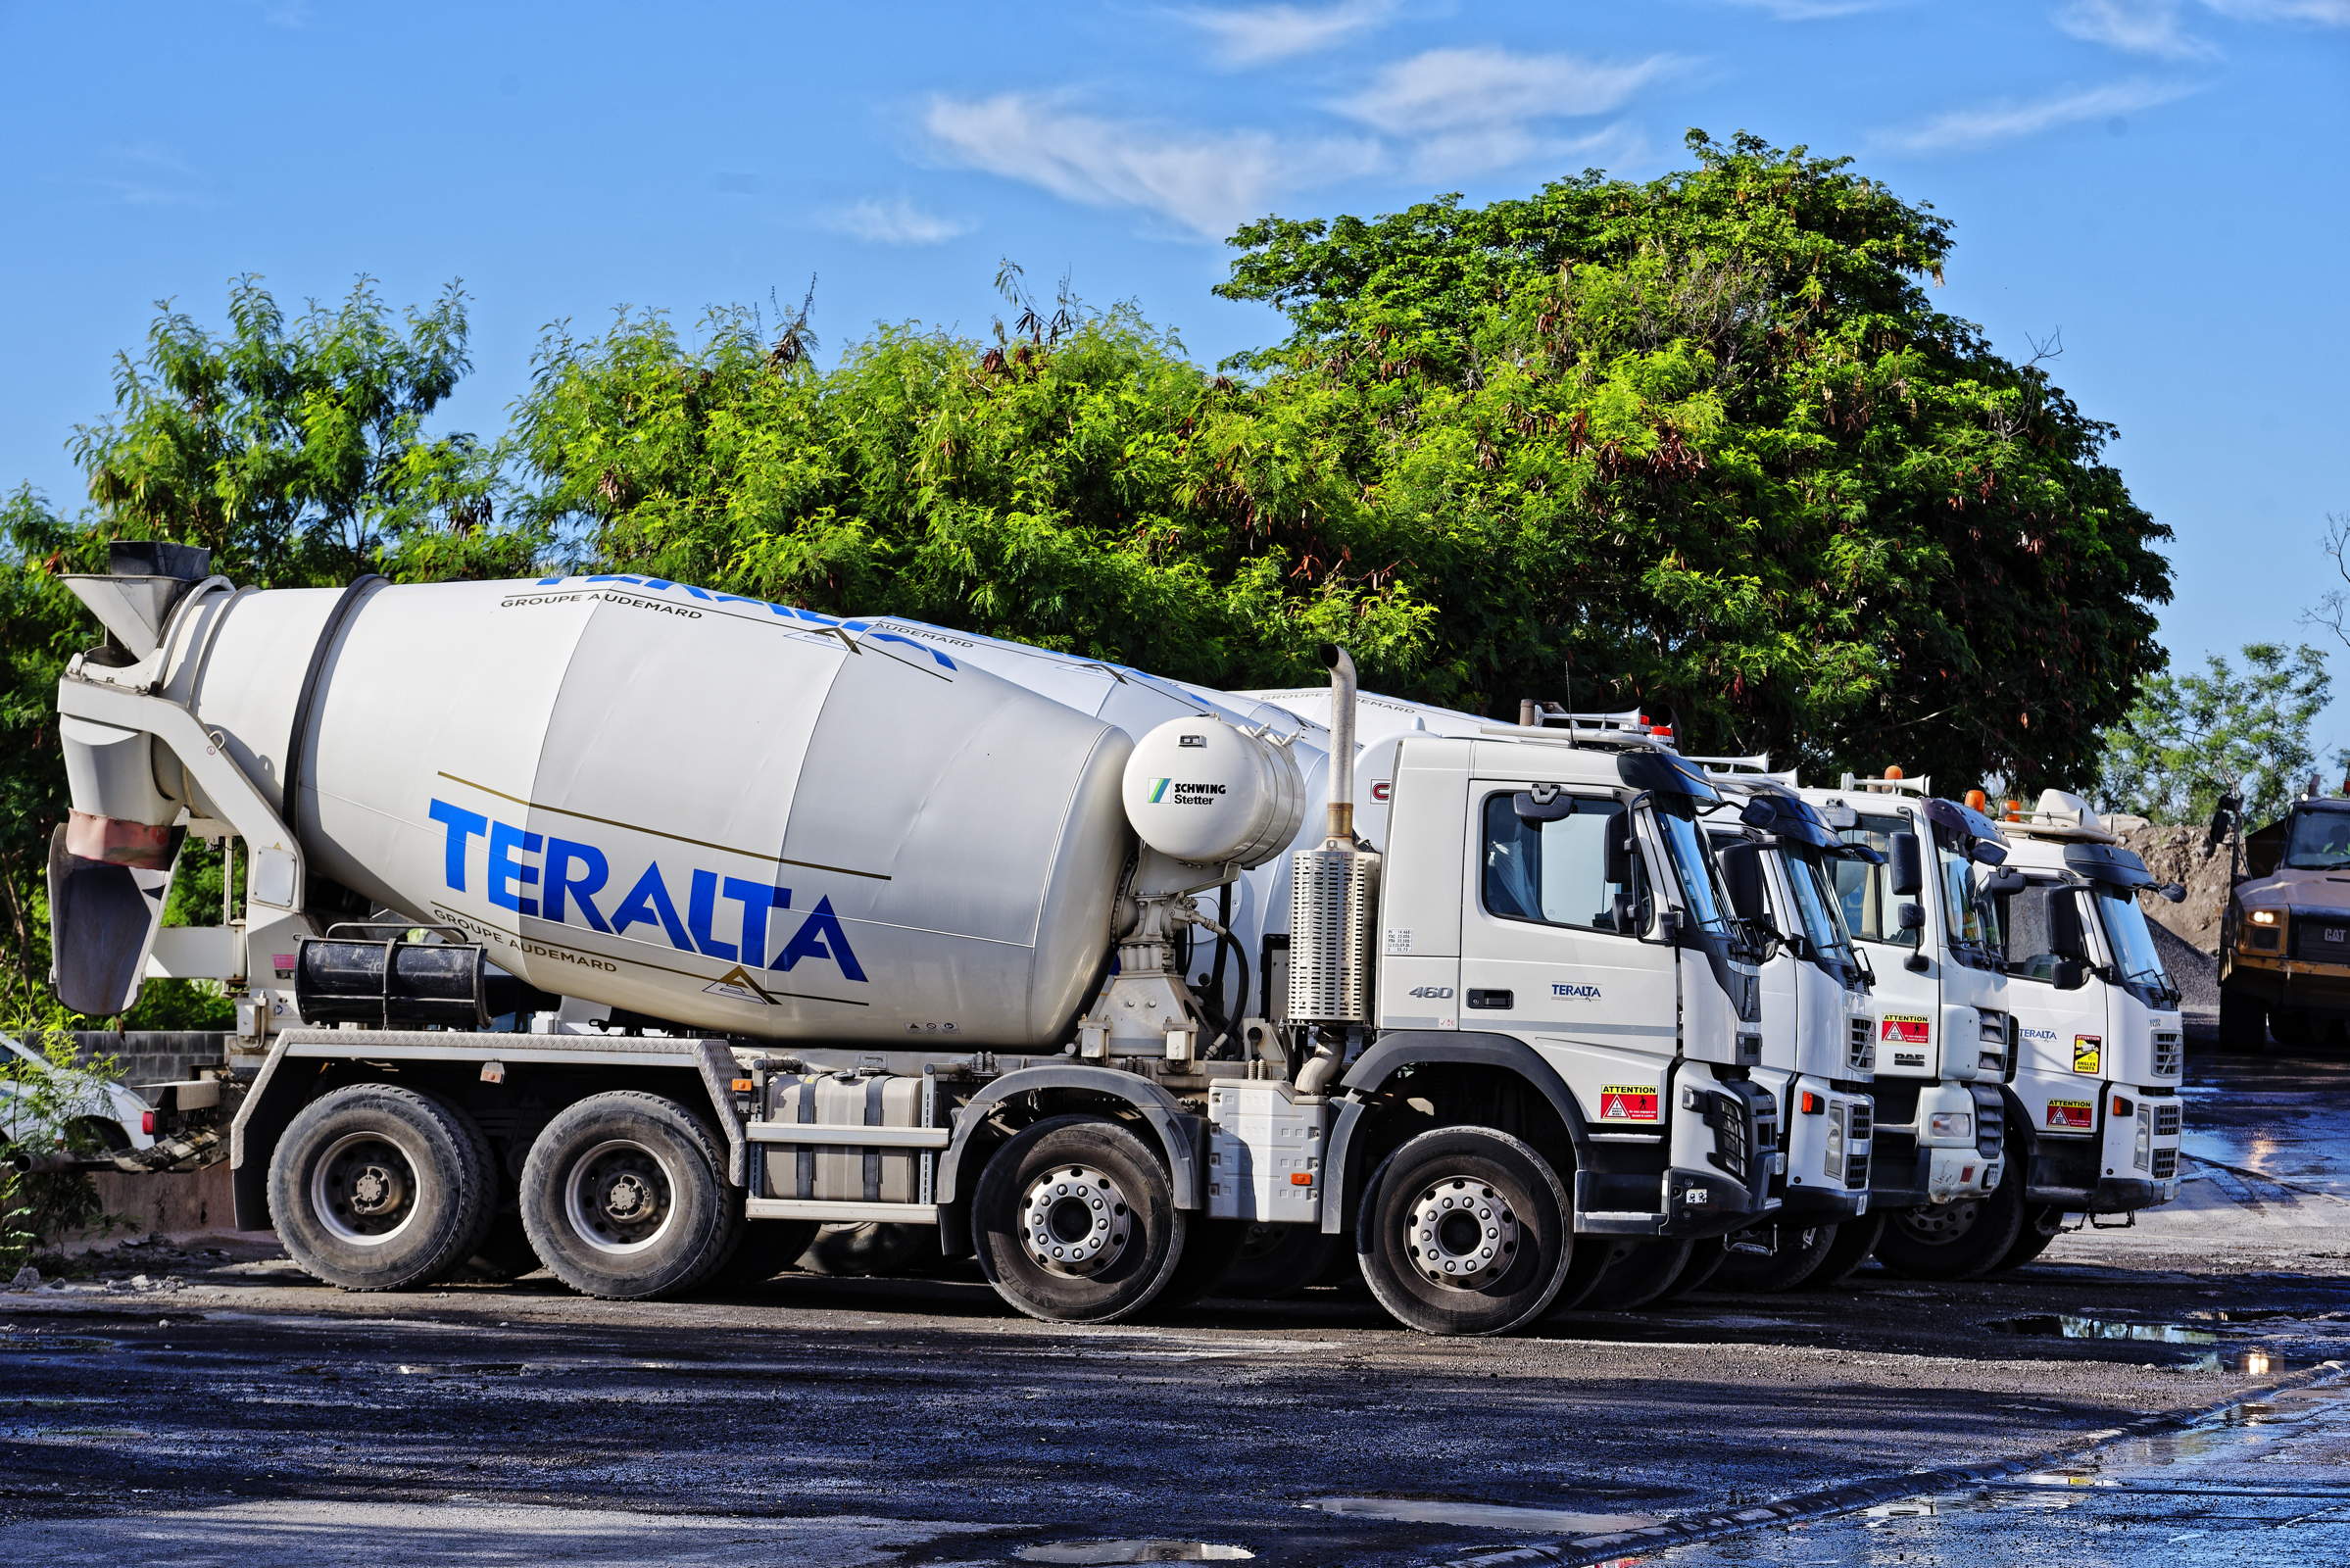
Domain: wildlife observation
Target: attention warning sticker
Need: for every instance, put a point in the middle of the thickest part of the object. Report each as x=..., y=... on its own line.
x=2088, y=1053
x=1901, y=1029
x=1627, y=1103
x=2074, y=1115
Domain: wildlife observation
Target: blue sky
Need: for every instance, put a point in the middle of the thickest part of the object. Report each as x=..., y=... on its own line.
x=2160, y=180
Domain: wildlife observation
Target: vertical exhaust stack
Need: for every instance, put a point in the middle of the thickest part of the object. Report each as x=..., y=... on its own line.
x=1333, y=902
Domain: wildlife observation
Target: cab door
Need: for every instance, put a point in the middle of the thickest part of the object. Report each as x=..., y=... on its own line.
x=2061, y=1016
x=1558, y=907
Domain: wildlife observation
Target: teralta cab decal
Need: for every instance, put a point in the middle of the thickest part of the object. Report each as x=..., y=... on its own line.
x=570, y=883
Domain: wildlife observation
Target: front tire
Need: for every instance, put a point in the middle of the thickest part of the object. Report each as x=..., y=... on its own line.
x=1643, y=1273
x=1854, y=1244
x=1076, y=1222
x=1707, y=1254
x=377, y=1187
x=1801, y=1250
x=2043, y=1224
x=1962, y=1239
x=624, y=1197
x=1465, y=1230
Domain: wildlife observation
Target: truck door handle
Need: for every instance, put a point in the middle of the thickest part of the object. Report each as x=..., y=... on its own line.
x=1491, y=999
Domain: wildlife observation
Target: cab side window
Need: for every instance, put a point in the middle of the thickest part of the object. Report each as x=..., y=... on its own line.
x=2029, y=929
x=1556, y=873
x=1867, y=891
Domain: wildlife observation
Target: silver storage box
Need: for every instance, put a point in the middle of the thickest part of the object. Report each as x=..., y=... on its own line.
x=839, y=1172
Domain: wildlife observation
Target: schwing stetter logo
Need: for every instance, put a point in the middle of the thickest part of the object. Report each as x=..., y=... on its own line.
x=1176, y=792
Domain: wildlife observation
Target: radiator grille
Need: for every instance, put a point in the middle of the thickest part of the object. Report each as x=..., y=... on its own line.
x=1990, y=1124
x=1856, y=1145
x=2166, y=1121
x=1861, y=1051
x=2327, y=941
x=2169, y=1054
x=2166, y=1164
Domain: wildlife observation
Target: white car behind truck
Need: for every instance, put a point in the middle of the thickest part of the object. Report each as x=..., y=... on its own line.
x=2096, y=1111
x=880, y=935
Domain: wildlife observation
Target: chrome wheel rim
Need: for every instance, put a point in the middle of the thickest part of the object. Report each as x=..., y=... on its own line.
x=1074, y=1221
x=1461, y=1232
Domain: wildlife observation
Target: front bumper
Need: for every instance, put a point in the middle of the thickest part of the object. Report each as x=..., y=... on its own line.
x=2299, y=984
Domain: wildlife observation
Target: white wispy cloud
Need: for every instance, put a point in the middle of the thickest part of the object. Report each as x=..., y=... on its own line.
x=1813, y=9
x=1208, y=182
x=896, y=221
x=2320, y=13
x=1449, y=89
x=1256, y=35
x=1963, y=128
x=149, y=174
x=1482, y=149
x=2138, y=27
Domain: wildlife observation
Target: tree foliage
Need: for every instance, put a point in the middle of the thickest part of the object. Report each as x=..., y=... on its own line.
x=2193, y=736
x=1706, y=441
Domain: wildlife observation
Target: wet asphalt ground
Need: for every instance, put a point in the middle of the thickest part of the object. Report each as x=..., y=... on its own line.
x=229, y=1411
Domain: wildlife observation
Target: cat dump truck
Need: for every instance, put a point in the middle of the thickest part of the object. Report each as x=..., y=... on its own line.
x=2284, y=939
x=863, y=932
x=2094, y=1111
x=1780, y=855
x=1929, y=915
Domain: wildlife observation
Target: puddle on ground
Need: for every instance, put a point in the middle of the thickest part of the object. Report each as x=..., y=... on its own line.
x=1480, y=1515
x=1116, y=1552
x=459, y=1369
x=2250, y=1360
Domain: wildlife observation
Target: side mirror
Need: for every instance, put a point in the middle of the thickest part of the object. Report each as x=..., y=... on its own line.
x=1909, y=865
x=1910, y=916
x=1618, y=856
x=2068, y=974
x=2065, y=937
x=1544, y=803
x=1758, y=812
x=2173, y=892
x=1626, y=910
x=1982, y=851
x=1668, y=925
x=1742, y=874
x=2003, y=882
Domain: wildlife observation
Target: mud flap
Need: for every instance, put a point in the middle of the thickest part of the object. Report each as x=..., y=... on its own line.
x=102, y=922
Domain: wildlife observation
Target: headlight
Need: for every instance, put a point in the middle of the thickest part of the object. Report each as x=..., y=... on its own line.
x=1950, y=1124
x=2264, y=917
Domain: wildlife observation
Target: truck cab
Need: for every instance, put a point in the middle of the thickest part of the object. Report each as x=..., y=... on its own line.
x=1945, y=1046
x=2284, y=940
x=1777, y=854
x=2094, y=1100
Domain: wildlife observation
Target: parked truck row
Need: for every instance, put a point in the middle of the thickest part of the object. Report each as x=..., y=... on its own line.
x=638, y=930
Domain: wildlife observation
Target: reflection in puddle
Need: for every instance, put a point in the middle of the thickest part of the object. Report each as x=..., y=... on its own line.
x=1114, y=1551
x=1482, y=1515
x=2071, y=1326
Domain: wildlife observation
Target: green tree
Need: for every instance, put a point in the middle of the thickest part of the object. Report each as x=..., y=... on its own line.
x=2192, y=737
x=295, y=450
x=1704, y=442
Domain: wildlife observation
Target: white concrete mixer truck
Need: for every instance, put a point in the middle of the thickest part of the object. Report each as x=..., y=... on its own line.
x=872, y=934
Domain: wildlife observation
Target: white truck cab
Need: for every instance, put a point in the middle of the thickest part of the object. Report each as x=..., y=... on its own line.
x=2094, y=1102
x=1777, y=854
x=1946, y=1046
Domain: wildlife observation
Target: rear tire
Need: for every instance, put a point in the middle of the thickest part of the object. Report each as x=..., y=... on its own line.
x=2295, y=1031
x=1855, y=1243
x=1962, y=1239
x=1800, y=1251
x=2243, y=1022
x=2043, y=1224
x=625, y=1197
x=1076, y=1222
x=1465, y=1230
x=1642, y=1274
x=377, y=1187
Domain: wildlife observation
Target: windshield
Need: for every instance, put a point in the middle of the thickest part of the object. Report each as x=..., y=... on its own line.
x=2127, y=933
x=1871, y=910
x=2320, y=841
x=1974, y=919
x=1701, y=893
x=1815, y=905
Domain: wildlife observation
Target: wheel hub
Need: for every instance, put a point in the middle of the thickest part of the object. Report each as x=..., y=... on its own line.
x=616, y=1196
x=1074, y=1220
x=363, y=1188
x=1461, y=1232
x=1941, y=1223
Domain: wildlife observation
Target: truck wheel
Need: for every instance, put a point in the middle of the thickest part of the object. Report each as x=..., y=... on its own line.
x=2243, y=1022
x=624, y=1196
x=1801, y=1249
x=376, y=1186
x=1707, y=1254
x=764, y=1248
x=1076, y=1222
x=1962, y=1239
x=1465, y=1230
x=1642, y=1273
x=2295, y=1031
x=1852, y=1245
x=2043, y=1224
x=1274, y=1263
